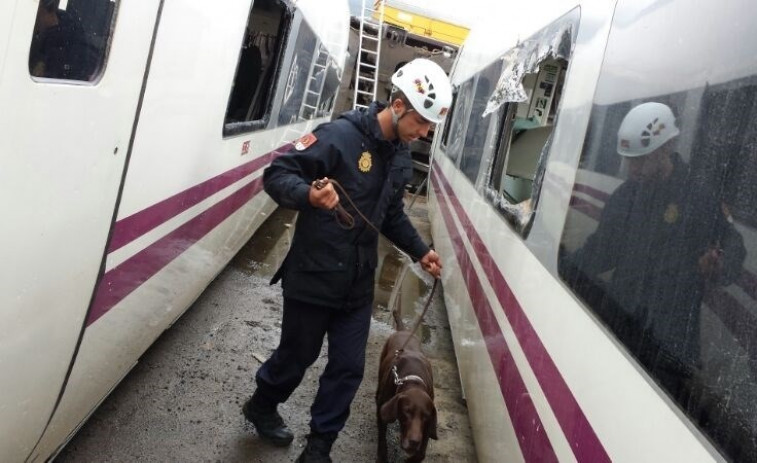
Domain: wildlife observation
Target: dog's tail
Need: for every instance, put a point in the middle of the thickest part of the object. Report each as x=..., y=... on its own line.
x=397, y=314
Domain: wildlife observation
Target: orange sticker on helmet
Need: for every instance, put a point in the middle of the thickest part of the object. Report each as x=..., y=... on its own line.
x=419, y=86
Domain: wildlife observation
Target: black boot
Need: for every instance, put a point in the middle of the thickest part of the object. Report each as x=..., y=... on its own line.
x=269, y=424
x=318, y=448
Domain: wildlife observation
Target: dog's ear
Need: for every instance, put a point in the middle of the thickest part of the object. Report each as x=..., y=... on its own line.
x=431, y=425
x=389, y=410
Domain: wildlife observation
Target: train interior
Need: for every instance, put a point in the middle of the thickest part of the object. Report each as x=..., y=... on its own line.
x=532, y=122
x=258, y=59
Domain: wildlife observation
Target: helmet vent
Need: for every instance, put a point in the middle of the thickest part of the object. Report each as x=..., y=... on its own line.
x=652, y=129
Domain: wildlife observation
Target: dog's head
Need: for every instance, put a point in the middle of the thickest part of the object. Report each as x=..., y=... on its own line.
x=417, y=416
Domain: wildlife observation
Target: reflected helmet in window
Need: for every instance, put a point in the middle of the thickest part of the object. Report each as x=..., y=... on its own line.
x=645, y=128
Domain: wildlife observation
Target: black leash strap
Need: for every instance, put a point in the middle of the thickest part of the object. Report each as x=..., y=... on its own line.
x=346, y=220
x=420, y=318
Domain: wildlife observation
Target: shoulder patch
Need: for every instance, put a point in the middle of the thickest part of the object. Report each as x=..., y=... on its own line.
x=305, y=142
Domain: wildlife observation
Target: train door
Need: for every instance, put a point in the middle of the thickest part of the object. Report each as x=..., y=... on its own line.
x=70, y=85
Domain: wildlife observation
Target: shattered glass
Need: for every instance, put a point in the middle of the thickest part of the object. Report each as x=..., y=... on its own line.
x=556, y=40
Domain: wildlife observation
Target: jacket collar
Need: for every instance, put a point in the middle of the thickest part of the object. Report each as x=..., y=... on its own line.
x=367, y=121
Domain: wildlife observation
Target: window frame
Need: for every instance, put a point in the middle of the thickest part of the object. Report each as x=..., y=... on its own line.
x=490, y=121
x=103, y=54
x=285, y=29
x=292, y=52
x=465, y=107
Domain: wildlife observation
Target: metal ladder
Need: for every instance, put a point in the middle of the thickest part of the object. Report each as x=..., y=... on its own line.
x=316, y=79
x=369, y=53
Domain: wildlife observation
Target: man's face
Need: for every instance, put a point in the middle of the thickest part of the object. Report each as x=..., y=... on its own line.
x=648, y=168
x=412, y=125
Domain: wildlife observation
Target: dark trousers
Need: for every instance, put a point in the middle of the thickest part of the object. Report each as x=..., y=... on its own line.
x=303, y=329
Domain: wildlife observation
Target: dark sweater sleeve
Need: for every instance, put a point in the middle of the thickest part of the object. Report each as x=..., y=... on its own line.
x=287, y=180
x=399, y=230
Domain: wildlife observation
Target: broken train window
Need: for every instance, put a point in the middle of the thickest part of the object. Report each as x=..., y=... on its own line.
x=527, y=96
x=262, y=48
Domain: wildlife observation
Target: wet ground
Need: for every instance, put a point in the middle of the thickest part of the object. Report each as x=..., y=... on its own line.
x=182, y=401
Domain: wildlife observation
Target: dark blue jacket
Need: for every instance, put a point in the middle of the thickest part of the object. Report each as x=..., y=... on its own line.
x=328, y=264
x=651, y=235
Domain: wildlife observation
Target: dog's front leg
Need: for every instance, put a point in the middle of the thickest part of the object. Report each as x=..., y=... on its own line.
x=381, y=457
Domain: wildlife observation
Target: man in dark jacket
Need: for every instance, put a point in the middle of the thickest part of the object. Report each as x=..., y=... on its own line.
x=666, y=238
x=328, y=274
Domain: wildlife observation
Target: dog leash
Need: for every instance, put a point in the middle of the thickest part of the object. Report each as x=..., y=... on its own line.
x=347, y=221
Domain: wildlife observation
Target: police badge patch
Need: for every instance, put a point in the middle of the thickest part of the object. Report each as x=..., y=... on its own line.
x=365, y=162
x=671, y=214
x=304, y=143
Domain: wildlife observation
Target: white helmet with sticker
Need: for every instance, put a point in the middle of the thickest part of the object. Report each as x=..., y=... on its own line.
x=645, y=128
x=426, y=87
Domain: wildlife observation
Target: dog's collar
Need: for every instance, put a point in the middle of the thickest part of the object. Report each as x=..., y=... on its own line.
x=400, y=381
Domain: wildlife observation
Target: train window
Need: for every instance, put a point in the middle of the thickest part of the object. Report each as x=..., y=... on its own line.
x=262, y=47
x=448, y=122
x=71, y=39
x=525, y=103
x=474, y=148
x=458, y=120
x=302, y=90
x=526, y=128
x=328, y=79
x=660, y=239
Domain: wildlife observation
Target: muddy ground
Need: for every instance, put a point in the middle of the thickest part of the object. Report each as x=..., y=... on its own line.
x=182, y=402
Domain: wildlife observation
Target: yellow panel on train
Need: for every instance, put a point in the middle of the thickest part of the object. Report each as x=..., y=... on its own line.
x=423, y=25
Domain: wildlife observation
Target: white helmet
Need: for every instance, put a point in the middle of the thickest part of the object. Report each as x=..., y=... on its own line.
x=645, y=128
x=427, y=88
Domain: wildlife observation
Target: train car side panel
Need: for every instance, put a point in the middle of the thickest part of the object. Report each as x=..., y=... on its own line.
x=193, y=192
x=570, y=390
x=64, y=148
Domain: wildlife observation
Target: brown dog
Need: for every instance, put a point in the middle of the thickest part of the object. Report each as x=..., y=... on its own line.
x=405, y=393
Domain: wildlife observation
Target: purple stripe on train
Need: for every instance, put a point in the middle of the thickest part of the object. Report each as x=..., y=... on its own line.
x=532, y=438
x=576, y=427
x=123, y=279
x=130, y=228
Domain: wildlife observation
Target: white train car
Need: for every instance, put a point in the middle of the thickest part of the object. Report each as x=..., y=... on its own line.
x=554, y=365
x=133, y=140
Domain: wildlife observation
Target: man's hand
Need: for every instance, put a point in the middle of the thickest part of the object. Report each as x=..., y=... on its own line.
x=432, y=263
x=711, y=264
x=324, y=197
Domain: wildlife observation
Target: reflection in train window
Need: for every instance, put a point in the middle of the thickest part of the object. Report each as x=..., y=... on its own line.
x=458, y=120
x=448, y=123
x=302, y=89
x=660, y=239
x=326, y=81
x=262, y=47
x=71, y=39
x=475, y=146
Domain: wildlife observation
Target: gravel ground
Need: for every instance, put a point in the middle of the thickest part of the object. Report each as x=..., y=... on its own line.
x=182, y=402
